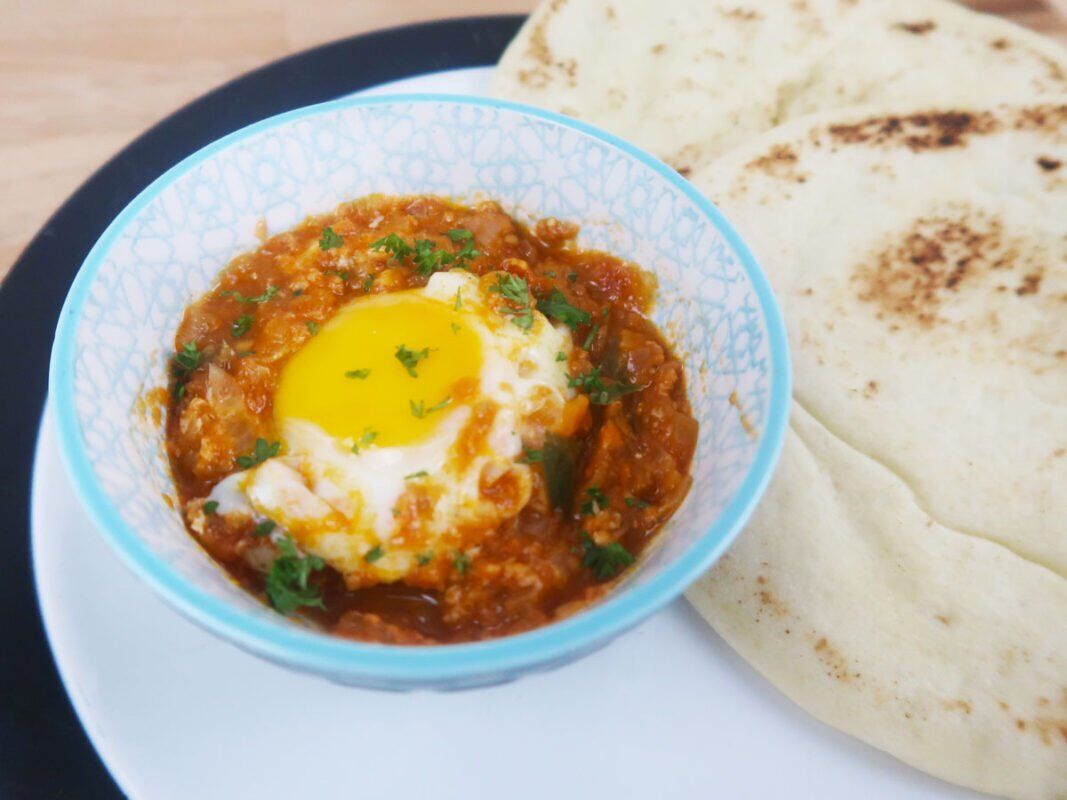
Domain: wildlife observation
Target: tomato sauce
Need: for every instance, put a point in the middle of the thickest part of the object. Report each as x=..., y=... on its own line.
x=600, y=494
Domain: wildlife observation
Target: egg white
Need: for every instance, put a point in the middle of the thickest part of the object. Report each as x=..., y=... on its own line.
x=341, y=505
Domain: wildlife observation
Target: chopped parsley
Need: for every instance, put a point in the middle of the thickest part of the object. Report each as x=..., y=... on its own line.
x=422, y=559
x=242, y=325
x=459, y=300
x=557, y=307
x=330, y=239
x=531, y=456
x=467, y=252
x=340, y=273
x=268, y=293
x=429, y=259
x=596, y=503
x=458, y=235
x=600, y=393
x=592, y=335
x=368, y=437
x=183, y=365
x=572, y=276
x=561, y=356
x=461, y=561
x=514, y=290
x=369, y=281
x=419, y=409
x=420, y=474
x=410, y=358
x=359, y=374
x=287, y=580
x=426, y=257
x=634, y=502
x=186, y=360
x=264, y=528
x=260, y=453
x=312, y=326
x=211, y=506
x=394, y=245
x=605, y=561
x=455, y=328
x=374, y=554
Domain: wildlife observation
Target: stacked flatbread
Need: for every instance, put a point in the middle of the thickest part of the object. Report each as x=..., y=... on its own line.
x=905, y=578
x=688, y=79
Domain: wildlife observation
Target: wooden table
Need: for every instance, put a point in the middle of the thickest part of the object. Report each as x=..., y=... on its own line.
x=79, y=79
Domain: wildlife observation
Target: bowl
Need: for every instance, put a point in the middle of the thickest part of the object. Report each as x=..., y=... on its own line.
x=166, y=248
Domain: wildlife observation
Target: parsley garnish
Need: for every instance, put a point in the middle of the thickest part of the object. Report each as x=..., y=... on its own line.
x=460, y=235
x=241, y=325
x=592, y=335
x=420, y=474
x=557, y=307
x=634, y=502
x=600, y=394
x=260, y=453
x=367, y=438
x=264, y=528
x=410, y=358
x=428, y=259
x=394, y=245
x=572, y=276
x=461, y=561
x=422, y=559
x=369, y=281
x=374, y=554
x=531, y=456
x=186, y=360
x=419, y=409
x=183, y=364
x=330, y=239
x=597, y=501
x=359, y=374
x=459, y=300
x=467, y=252
x=606, y=561
x=561, y=356
x=340, y=273
x=515, y=291
x=268, y=293
x=211, y=506
x=313, y=327
x=455, y=328
x=287, y=581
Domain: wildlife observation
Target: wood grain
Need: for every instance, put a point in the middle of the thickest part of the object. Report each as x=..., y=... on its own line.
x=78, y=80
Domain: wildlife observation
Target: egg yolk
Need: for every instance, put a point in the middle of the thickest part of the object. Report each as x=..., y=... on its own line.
x=385, y=369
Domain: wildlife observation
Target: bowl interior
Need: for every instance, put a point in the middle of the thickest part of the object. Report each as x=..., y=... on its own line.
x=167, y=247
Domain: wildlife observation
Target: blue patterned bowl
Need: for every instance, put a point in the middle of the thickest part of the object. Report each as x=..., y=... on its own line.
x=168, y=245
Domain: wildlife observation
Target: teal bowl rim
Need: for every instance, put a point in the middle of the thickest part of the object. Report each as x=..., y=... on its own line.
x=411, y=666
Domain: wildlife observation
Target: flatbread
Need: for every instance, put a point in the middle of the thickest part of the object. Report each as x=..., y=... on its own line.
x=688, y=79
x=905, y=578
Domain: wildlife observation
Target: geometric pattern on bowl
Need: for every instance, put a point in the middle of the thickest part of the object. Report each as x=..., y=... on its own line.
x=168, y=246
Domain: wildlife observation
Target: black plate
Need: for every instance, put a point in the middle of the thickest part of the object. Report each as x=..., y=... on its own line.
x=43, y=751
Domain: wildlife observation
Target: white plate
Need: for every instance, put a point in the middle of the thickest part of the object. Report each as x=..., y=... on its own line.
x=666, y=711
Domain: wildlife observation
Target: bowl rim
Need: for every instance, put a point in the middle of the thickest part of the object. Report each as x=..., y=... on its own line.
x=312, y=651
